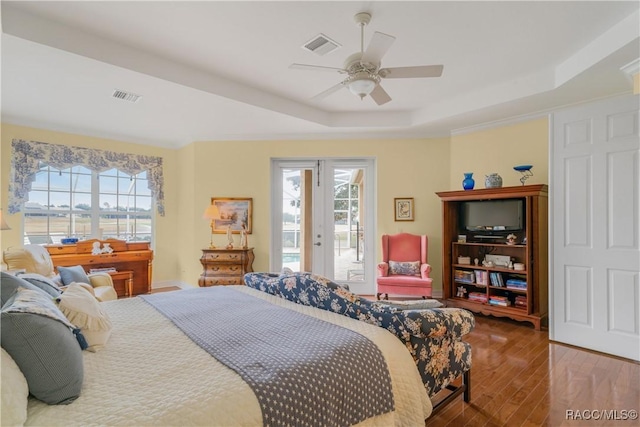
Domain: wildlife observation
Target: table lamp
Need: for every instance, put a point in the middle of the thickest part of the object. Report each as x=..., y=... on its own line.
x=211, y=213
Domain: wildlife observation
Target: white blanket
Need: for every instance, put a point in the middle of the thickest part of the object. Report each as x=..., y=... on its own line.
x=150, y=373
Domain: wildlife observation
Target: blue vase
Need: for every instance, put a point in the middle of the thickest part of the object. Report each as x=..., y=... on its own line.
x=468, y=182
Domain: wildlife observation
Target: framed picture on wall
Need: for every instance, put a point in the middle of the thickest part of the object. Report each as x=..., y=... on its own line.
x=403, y=208
x=232, y=213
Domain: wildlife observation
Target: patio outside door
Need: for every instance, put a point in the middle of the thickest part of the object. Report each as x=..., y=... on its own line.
x=323, y=219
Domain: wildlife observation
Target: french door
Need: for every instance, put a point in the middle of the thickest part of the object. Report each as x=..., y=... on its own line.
x=323, y=219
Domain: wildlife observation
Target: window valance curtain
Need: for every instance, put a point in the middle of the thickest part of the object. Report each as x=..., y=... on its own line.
x=27, y=155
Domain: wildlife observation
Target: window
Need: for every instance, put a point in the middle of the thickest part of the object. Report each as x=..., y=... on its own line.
x=77, y=202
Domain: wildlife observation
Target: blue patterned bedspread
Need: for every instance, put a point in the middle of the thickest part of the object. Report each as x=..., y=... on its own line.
x=304, y=371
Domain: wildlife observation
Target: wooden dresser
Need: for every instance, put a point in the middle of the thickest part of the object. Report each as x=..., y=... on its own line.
x=225, y=266
x=132, y=259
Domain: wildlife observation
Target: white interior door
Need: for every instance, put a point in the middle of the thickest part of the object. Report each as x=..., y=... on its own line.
x=323, y=219
x=595, y=185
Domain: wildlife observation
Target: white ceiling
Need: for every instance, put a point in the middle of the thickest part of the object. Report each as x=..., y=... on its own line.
x=215, y=70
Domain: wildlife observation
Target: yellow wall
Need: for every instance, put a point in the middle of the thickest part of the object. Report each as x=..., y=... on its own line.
x=415, y=168
x=498, y=150
x=165, y=266
x=405, y=168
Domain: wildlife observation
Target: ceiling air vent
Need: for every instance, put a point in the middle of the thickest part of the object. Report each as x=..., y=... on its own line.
x=126, y=96
x=321, y=45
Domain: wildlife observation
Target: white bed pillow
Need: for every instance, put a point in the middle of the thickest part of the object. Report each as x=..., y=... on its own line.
x=84, y=311
x=14, y=392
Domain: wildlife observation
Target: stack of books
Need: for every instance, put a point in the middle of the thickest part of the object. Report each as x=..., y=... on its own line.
x=477, y=296
x=499, y=300
x=517, y=284
x=521, y=301
x=463, y=276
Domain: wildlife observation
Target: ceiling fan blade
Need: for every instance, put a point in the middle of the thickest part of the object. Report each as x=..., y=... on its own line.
x=328, y=92
x=378, y=46
x=411, y=72
x=316, y=68
x=380, y=96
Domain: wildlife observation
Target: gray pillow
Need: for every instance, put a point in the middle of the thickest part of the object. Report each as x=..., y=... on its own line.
x=10, y=283
x=73, y=274
x=42, y=282
x=44, y=348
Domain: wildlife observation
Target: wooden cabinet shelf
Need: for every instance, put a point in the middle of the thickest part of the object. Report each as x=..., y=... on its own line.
x=475, y=287
x=497, y=269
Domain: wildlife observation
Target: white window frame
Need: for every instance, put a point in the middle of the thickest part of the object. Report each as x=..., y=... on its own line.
x=94, y=213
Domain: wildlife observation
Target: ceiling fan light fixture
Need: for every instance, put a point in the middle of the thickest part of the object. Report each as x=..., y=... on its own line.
x=362, y=86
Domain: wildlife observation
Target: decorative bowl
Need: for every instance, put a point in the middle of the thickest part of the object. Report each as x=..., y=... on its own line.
x=522, y=168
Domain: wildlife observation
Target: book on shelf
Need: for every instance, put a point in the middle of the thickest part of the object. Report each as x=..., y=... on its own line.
x=521, y=301
x=517, y=284
x=463, y=276
x=478, y=296
x=496, y=280
x=500, y=303
x=499, y=300
x=481, y=277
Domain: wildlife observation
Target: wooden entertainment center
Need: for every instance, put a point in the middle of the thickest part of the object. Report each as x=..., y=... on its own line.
x=497, y=289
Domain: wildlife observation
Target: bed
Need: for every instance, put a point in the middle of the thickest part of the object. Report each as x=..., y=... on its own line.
x=151, y=373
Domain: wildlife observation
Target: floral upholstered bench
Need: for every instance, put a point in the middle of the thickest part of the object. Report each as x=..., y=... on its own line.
x=433, y=336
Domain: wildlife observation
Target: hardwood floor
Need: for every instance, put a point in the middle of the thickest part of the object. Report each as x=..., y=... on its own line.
x=520, y=378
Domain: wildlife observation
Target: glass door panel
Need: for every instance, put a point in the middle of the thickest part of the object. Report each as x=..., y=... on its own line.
x=348, y=253
x=293, y=217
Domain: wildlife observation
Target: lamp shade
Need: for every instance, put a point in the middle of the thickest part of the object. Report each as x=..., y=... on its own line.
x=362, y=86
x=3, y=223
x=210, y=213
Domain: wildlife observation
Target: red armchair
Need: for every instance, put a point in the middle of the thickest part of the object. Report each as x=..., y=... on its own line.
x=404, y=269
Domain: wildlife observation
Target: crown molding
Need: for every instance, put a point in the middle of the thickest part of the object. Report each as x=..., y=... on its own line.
x=632, y=68
x=526, y=117
x=499, y=123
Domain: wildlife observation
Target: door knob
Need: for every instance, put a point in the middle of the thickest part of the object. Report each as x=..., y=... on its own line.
x=318, y=244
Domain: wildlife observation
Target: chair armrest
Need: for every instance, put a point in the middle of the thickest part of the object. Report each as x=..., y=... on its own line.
x=103, y=287
x=105, y=293
x=100, y=279
x=383, y=269
x=425, y=269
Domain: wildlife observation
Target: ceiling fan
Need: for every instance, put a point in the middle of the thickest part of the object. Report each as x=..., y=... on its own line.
x=363, y=68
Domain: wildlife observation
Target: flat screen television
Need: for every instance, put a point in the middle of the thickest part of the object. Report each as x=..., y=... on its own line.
x=492, y=218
